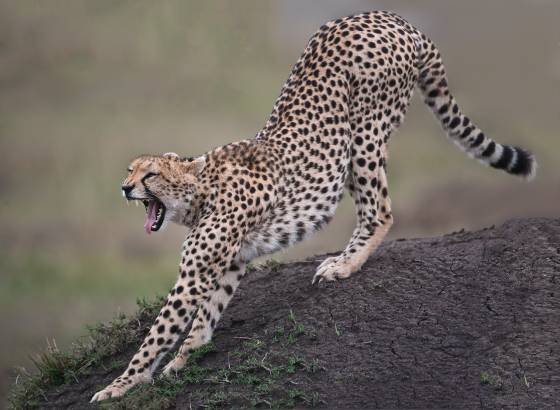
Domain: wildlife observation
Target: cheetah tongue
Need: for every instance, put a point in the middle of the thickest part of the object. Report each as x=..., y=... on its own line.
x=150, y=216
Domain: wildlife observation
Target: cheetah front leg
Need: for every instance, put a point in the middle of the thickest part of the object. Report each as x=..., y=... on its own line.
x=208, y=315
x=173, y=319
x=202, y=274
x=368, y=187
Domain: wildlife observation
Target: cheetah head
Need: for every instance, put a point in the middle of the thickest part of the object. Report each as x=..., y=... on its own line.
x=166, y=185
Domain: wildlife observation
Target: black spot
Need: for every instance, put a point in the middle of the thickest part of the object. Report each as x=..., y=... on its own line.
x=228, y=289
x=479, y=139
x=433, y=93
x=454, y=123
x=466, y=132
x=443, y=109
x=489, y=149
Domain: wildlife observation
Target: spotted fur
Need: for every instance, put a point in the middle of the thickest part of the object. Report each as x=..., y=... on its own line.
x=328, y=131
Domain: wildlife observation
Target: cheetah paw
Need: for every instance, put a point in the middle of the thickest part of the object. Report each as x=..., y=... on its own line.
x=331, y=269
x=109, y=392
x=171, y=369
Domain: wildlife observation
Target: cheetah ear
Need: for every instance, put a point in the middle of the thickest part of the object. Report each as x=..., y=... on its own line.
x=172, y=155
x=197, y=165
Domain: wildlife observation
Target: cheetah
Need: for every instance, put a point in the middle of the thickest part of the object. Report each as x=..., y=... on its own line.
x=328, y=131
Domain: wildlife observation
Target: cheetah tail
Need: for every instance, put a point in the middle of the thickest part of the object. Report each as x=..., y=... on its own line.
x=459, y=128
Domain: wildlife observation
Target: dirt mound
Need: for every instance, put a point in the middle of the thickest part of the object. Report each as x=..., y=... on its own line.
x=470, y=319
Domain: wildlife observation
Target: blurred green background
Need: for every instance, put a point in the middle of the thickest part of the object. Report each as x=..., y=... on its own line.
x=87, y=85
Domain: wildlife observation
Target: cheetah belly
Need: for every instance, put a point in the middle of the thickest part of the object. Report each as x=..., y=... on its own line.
x=303, y=212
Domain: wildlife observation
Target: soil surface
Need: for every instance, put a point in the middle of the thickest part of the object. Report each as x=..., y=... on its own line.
x=467, y=320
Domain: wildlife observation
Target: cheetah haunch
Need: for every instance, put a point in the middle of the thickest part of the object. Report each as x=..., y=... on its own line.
x=328, y=131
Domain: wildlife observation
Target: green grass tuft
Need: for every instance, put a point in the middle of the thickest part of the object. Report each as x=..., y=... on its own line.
x=494, y=381
x=272, y=264
x=375, y=284
x=337, y=331
x=55, y=368
x=256, y=373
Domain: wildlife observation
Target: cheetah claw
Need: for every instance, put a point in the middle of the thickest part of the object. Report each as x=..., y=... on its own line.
x=317, y=280
x=331, y=269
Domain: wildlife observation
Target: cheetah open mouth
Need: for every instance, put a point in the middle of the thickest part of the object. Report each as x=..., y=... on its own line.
x=155, y=214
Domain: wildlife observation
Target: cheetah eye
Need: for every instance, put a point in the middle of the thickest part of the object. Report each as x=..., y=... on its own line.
x=129, y=170
x=150, y=175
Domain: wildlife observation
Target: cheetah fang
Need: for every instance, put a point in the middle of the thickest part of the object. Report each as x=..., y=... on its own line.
x=328, y=131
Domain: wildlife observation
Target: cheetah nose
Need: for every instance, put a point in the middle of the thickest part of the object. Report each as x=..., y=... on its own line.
x=126, y=189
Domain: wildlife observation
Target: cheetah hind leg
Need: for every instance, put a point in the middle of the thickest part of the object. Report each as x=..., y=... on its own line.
x=374, y=221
